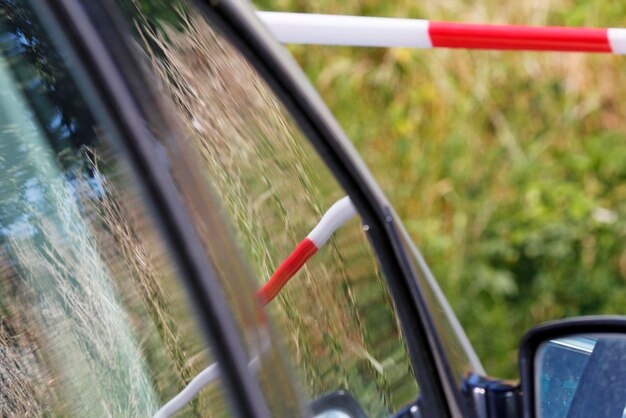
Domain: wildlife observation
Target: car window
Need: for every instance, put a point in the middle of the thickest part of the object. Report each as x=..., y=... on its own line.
x=336, y=317
x=94, y=320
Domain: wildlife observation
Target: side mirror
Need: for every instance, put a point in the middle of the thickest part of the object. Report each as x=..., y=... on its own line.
x=340, y=404
x=575, y=368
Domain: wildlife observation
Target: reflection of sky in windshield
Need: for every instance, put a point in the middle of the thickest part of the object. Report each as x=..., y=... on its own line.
x=25, y=152
x=21, y=227
x=22, y=186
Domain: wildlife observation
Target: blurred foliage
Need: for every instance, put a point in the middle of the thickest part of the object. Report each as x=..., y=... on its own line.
x=508, y=168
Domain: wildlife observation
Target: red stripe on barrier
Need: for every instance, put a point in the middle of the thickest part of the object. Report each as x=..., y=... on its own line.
x=502, y=37
x=286, y=270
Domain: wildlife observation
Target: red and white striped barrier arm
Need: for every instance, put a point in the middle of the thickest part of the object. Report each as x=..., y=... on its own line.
x=304, y=28
x=337, y=215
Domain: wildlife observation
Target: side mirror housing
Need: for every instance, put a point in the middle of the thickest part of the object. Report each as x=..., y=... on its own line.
x=575, y=368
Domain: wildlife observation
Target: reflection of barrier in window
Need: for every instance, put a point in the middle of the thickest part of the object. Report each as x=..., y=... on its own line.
x=337, y=215
x=202, y=379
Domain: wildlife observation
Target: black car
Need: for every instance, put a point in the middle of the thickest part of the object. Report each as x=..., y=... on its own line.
x=159, y=161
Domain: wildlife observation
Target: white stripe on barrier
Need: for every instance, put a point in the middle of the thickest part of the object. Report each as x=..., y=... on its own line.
x=206, y=376
x=617, y=40
x=337, y=215
x=305, y=28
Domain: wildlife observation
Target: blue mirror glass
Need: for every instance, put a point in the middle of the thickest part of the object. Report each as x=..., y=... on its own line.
x=581, y=376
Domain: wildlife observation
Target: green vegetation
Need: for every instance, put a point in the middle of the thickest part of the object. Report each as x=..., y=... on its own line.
x=508, y=168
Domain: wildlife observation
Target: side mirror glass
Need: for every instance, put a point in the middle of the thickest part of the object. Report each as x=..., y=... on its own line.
x=575, y=368
x=340, y=404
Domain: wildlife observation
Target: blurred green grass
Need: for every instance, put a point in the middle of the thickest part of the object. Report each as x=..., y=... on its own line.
x=508, y=168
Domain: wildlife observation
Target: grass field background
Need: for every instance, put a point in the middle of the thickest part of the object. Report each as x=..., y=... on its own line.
x=508, y=168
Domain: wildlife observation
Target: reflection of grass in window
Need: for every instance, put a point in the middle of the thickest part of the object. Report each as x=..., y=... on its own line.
x=21, y=394
x=115, y=245
x=173, y=348
x=336, y=313
x=133, y=252
x=84, y=328
x=165, y=342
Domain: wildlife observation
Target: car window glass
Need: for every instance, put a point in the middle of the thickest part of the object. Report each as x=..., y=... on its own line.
x=94, y=320
x=336, y=317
